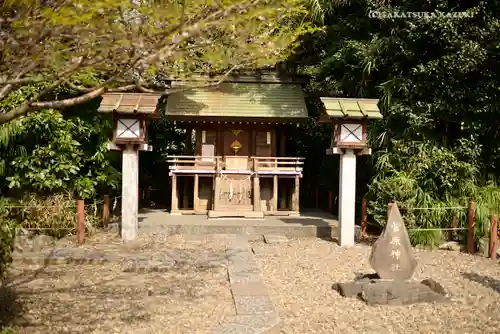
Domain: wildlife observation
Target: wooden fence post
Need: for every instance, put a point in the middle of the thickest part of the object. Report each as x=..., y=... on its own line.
x=471, y=225
x=493, y=237
x=364, y=217
x=105, y=211
x=454, y=225
x=80, y=209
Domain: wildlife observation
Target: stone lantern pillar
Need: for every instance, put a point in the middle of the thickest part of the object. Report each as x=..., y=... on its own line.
x=348, y=118
x=131, y=112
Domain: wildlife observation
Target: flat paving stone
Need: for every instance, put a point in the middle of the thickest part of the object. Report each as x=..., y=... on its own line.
x=274, y=238
x=245, y=278
x=241, y=269
x=237, y=243
x=254, y=308
x=232, y=328
x=259, y=323
x=253, y=304
x=263, y=251
x=244, y=266
x=249, y=289
x=256, y=320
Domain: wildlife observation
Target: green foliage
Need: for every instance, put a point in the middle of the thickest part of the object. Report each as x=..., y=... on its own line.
x=7, y=234
x=437, y=145
x=63, y=154
x=88, y=45
x=488, y=203
x=421, y=178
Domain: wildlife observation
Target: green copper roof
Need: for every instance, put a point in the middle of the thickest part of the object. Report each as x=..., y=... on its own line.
x=239, y=100
x=351, y=108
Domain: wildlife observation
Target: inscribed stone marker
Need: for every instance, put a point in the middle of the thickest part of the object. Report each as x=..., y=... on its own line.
x=392, y=256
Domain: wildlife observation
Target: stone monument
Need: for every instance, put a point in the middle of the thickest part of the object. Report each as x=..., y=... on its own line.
x=392, y=259
x=392, y=255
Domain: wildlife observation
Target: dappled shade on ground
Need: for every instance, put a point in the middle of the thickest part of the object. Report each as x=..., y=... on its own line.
x=189, y=298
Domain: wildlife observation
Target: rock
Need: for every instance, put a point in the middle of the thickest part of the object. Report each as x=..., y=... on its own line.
x=357, y=233
x=435, y=286
x=483, y=246
x=367, y=277
x=22, y=231
x=399, y=293
x=392, y=255
x=22, y=243
x=351, y=289
x=451, y=246
x=39, y=241
x=274, y=238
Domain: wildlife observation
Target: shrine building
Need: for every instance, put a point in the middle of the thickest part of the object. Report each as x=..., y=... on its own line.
x=236, y=162
x=239, y=166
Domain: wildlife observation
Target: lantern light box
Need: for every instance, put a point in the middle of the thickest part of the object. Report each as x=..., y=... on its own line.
x=349, y=118
x=130, y=113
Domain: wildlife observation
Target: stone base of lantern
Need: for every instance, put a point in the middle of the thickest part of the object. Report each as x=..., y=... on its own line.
x=389, y=292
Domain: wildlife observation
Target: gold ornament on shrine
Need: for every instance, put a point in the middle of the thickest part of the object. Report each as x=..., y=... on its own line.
x=236, y=132
x=236, y=146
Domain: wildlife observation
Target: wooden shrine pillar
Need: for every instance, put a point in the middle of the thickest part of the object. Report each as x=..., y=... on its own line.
x=185, y=193
x=196, y=198
x=283, y=141
x=253, y=144
x=175, y=200
x=296, y=195
x=256, y=193
x=274, y=202
x=217, y=186
x=282, y=199
x=185, y=182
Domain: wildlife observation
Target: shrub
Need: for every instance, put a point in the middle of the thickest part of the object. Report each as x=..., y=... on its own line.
x=7, y=234
x=54, y=215
x=426, y=181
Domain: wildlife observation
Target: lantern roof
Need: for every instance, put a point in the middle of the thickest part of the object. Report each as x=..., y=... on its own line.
x=349, y=108
x=130, y=103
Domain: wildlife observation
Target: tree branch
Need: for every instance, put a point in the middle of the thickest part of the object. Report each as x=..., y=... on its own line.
x=25, y=107
x=69, y=102
x=166, y=50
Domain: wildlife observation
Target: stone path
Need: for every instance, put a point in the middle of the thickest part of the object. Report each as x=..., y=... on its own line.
x=255, y=312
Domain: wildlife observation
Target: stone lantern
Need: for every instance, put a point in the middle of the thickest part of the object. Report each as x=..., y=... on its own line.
x=348, y=118
x=131, y=112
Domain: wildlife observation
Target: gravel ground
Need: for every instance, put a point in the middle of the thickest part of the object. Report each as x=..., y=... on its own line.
x=299, y=275
x=104, y=299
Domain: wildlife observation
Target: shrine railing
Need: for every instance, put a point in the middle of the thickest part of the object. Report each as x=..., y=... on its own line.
x=194, y=163
x=210, y=164
x=277, y=163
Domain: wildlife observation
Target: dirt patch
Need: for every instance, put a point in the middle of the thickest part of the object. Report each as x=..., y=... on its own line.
x=192, y=297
